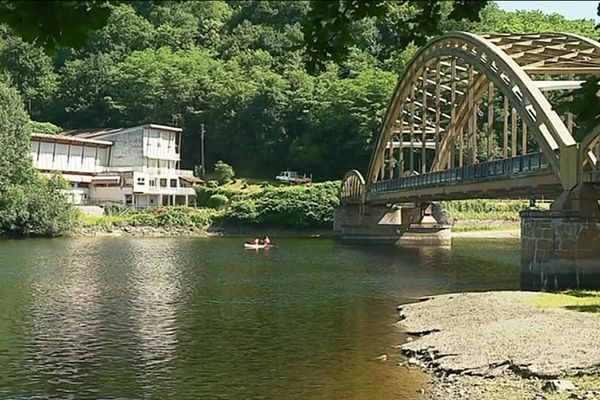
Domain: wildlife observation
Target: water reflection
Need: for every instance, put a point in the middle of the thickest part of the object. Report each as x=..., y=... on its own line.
x=185, y=318
x=155, y=289
x=64, y=323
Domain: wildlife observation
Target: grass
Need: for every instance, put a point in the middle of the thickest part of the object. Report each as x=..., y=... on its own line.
x=104, y=221
x=487, y=209
x=575, y=300
x=470, y=227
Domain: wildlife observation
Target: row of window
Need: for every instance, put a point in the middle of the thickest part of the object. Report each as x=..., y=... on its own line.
x=156, y=163
x=141, y=181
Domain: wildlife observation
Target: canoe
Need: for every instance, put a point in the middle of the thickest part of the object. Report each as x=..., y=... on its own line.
x=256, y=246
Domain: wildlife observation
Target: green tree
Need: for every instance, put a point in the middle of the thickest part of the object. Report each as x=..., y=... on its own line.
x=29, y=204
x=224, y=172
x=30, y=70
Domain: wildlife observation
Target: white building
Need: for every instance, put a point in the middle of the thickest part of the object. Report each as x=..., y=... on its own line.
x=137, y=166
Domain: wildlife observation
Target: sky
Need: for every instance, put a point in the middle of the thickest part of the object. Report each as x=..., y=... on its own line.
x=570, y=9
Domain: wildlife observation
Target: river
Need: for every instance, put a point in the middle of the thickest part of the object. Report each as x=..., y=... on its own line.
x=191, y=318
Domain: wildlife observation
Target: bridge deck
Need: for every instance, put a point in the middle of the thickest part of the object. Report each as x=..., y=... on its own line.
x=516, y=177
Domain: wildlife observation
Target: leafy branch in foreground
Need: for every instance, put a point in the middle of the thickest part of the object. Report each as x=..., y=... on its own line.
x=54, y=23
x=328, y=33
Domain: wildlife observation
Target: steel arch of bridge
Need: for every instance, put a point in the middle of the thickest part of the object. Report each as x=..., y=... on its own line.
x=447, y=83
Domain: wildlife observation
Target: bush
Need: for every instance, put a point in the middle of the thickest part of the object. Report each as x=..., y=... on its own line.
x=182, y=217
x=218, y=201
x=224, y=172
x=203, y=194
x=287, y=207
x=47, y=128
x=38, y=208
x=241, y=212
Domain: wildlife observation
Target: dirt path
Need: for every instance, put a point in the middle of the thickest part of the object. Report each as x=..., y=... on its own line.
x=483, y=345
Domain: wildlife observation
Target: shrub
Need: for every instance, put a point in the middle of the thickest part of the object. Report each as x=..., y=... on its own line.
x=203, y=194
x=241, y=212
x=47, y=128
x=224, y=172
x=218, y=201
x=296, y=206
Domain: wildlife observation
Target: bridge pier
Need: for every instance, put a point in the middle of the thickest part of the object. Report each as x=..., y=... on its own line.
x=371, y=224
x=560, y=248
x=405, y=224
x=433, y=229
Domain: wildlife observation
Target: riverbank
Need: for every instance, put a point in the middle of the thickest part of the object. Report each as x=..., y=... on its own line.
x=175, y=231
x=506, y=345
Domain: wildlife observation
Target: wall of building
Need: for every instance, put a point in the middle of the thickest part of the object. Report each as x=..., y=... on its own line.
x=85, y=158
x=111, y=193
x=127, y=148
x=78, y=195
x=161, y=145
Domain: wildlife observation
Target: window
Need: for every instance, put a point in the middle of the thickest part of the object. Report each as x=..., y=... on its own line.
x=152, y=182
x=163, y=182
x=173, y=183
x=141, y=181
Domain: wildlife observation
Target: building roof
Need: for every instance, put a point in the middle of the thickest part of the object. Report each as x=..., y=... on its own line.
x=93, y=133
x=90, y=133
x=42, y=137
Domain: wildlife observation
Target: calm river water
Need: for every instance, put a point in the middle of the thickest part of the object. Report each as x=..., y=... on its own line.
x=205, y=319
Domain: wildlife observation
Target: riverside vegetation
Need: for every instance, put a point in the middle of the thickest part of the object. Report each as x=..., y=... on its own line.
x=240, y=205
x=236, y=68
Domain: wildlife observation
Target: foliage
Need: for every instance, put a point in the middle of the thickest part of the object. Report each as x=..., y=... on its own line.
x=218, y=201
x=181, y=217
x=224, y=172
x=584, y=103
x=29, y=204
x=230, y=192
x=54, y=22
x=484, y=210
x=47, y=128
x=236, y=68
x=309, y=206
x=328, y=28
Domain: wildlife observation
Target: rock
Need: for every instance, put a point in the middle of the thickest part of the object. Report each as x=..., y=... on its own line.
x=413, y=361
x=558, y=385
x=382, y=358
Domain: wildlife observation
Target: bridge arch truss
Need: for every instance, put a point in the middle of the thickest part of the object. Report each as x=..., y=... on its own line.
x=467, y=99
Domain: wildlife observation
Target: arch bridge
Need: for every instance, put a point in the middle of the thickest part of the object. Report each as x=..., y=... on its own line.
x=477, y=116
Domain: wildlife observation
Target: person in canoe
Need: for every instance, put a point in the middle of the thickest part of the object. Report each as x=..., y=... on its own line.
x=254, y=244
x=267, y=241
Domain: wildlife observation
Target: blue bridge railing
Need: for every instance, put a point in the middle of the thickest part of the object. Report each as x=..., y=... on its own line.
x=489, y=170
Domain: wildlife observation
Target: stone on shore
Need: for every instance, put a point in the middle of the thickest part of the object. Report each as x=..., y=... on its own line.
x=495, y=345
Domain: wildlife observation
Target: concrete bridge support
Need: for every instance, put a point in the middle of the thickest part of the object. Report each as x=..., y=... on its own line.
x=560, y=248
x=406, y=224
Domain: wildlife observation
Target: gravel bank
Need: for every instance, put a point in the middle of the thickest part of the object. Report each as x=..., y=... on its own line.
x=496, y=346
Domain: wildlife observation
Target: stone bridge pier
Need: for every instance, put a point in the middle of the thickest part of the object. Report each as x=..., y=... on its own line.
x=560, y=248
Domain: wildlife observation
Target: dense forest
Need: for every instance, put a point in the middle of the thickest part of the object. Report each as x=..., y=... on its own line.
x=236, y=67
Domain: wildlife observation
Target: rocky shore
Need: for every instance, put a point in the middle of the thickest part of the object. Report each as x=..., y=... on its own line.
x=495, y=345
x=139, y=231
x=175, y=231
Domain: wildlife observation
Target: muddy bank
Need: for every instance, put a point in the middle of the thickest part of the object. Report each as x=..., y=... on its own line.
x=496, y=346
